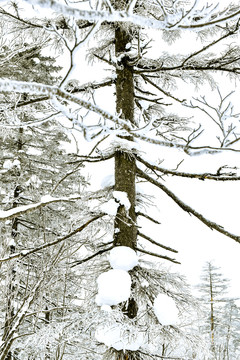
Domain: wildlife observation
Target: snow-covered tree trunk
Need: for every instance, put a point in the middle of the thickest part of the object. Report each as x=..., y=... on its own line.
x=125, y=167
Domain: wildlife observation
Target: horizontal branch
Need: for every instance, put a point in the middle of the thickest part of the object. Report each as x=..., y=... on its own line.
x=156, y=255
x=203, y=176
x=187, y=208
x=156, y=243
x=53, y=91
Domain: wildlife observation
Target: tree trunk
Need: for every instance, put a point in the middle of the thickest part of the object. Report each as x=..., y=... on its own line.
x=212, y=313
x=125, y=166
x=125, y=233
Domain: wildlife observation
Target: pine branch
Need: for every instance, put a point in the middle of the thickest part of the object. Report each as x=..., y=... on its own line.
x=187, y=208
x=156, y=243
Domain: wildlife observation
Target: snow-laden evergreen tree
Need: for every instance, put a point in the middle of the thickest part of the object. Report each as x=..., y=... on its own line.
x=131, y=40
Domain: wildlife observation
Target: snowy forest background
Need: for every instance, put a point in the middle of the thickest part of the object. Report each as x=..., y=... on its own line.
x=117, y=117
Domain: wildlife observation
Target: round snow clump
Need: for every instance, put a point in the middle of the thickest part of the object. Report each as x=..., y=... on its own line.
x=123, y=257
x=114, y=286
x=165, y=309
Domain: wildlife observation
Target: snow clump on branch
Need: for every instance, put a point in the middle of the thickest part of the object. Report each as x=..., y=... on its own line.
x=123, y=257
x=165, y=309
x=114, y=286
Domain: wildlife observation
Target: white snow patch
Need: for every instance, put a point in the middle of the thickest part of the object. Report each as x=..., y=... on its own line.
x=11, y=242
x=123, y=257
x=24, y=252
x=125, y=144
x=110, y=207
x=114, y=286
x=16, y=163
x=7, y=164
x=46, y=198
x=34, y=151
x=119, y=338
x=165, y=309
x=106, y=308
x=122, y=198
x=145, y=283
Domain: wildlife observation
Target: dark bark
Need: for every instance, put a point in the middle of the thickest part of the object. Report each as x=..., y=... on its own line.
x=125, y=166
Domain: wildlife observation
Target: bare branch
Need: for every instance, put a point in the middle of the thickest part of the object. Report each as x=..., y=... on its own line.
x=100, y=252
x=157, y=255
x=139, y=213
x=156, y=243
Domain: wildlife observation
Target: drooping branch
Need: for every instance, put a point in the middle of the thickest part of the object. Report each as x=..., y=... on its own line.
x=212, y=225
x=53, y=91
x=10, y=214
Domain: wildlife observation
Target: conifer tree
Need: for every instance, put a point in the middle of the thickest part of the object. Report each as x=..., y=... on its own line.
x=220, y=316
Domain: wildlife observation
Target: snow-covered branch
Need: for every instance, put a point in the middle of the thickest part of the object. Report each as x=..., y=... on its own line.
x=11, y=213
x=33, y=88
